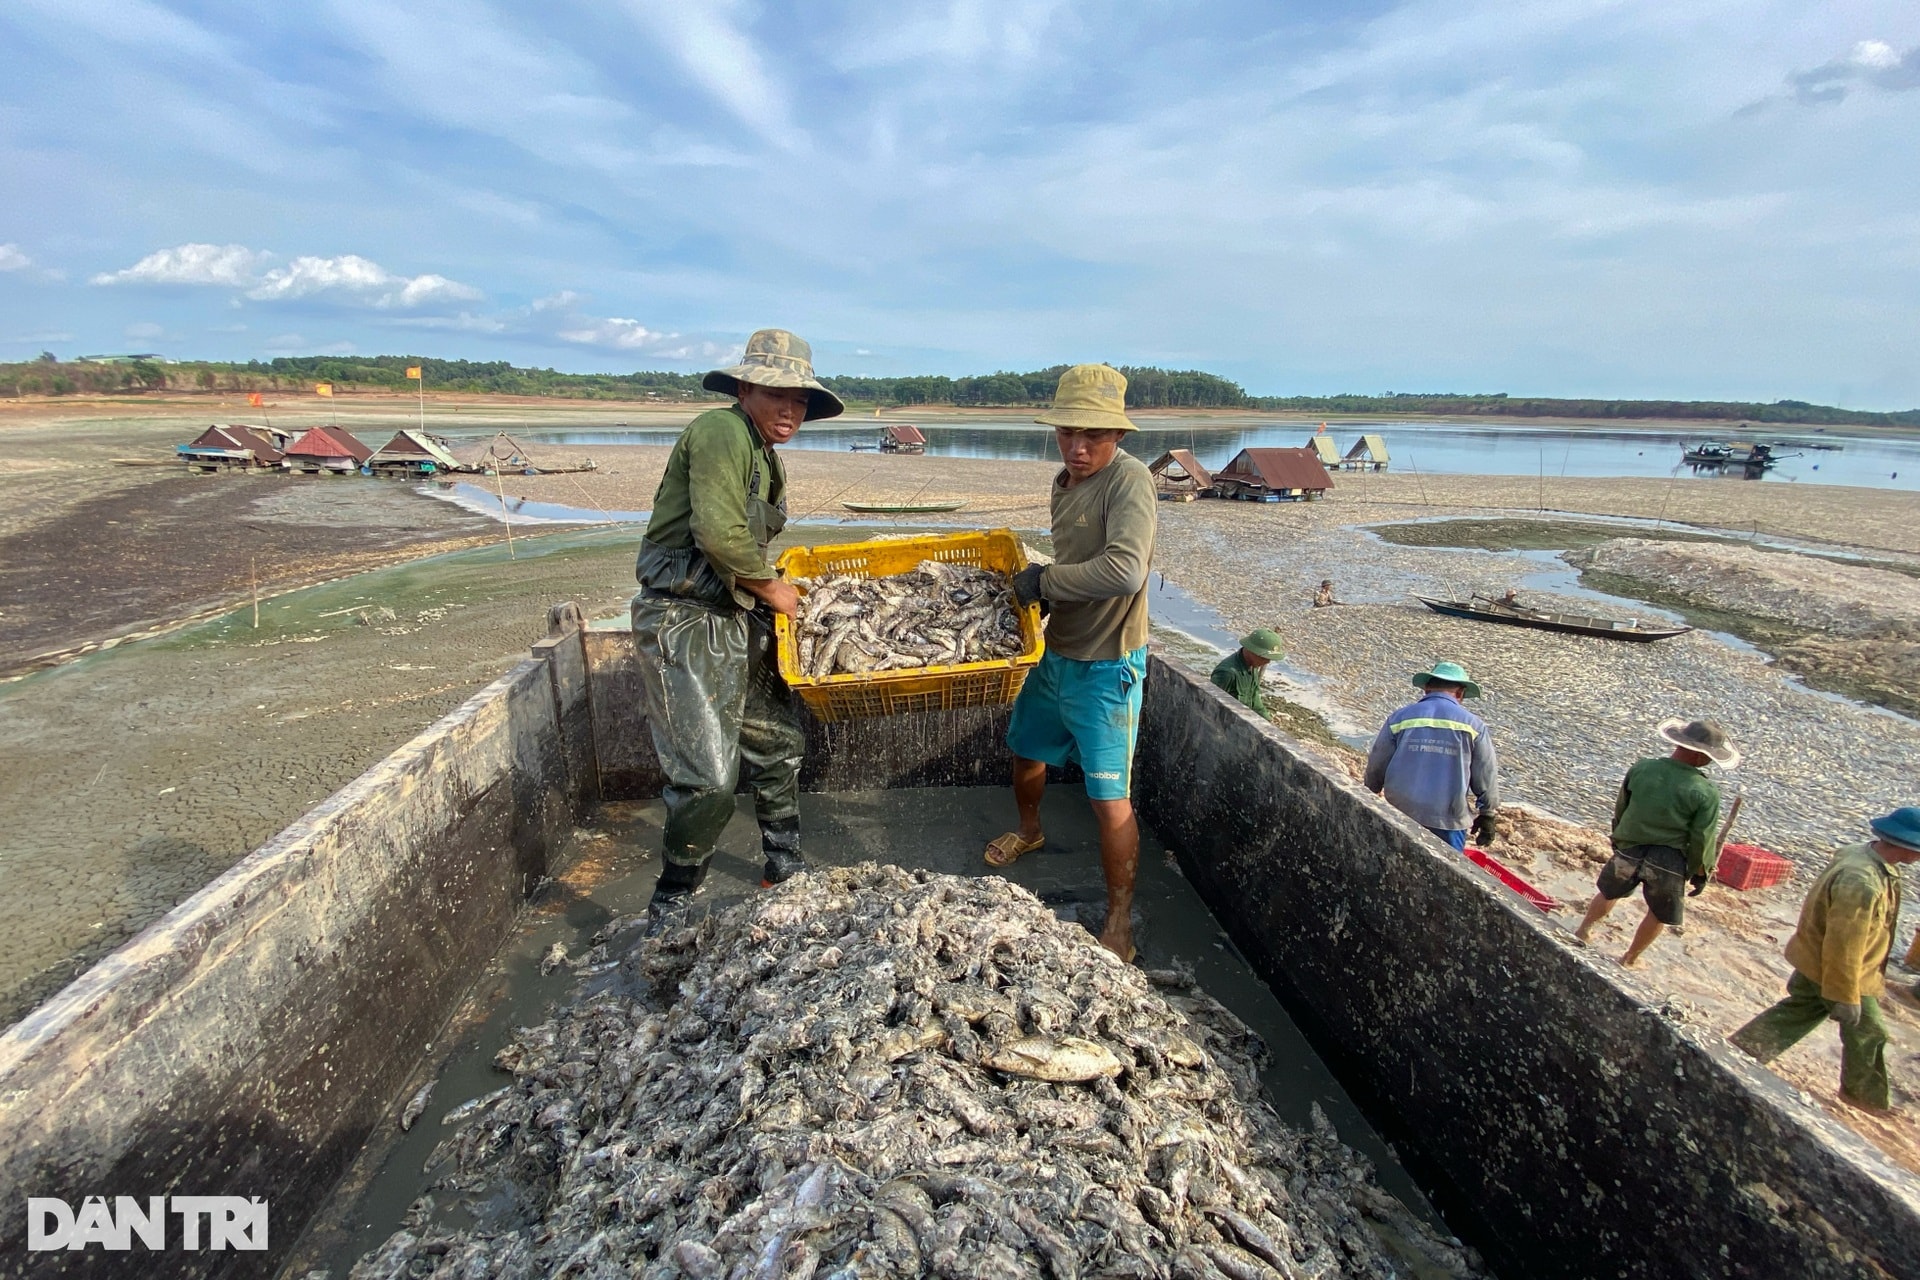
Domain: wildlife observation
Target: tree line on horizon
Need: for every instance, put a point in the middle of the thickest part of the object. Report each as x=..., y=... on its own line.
x=1148, y=387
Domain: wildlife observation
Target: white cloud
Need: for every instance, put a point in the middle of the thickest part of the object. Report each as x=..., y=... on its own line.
x=565, y=300
x=11, y=259
x=617, y=333
x=721, y=59
x=232, y=265
x=357, y=278
x=1871, y=64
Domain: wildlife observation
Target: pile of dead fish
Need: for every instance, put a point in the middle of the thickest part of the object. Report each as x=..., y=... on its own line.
x=871, y=1072
x=937, y=615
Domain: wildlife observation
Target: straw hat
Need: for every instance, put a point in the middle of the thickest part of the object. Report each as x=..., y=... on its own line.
x=1264, y=644
x=1704, y=736
x=1092, y=397
x=776, y=358
x=1447, y=673
x=1901, y=827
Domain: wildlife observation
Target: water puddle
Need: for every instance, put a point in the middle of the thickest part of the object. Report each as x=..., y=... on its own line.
x=471, y=497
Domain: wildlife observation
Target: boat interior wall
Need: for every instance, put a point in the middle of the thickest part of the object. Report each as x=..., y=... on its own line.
x=1586, y=1131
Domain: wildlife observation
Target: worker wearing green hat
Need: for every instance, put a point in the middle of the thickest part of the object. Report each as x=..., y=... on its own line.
x=1239, y=672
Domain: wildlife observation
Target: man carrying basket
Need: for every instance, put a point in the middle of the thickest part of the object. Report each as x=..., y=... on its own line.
x=702, y=621
x=1082, y=703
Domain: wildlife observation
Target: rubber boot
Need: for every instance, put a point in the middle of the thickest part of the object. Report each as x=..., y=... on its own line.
x=780, y=842
x=673, y=895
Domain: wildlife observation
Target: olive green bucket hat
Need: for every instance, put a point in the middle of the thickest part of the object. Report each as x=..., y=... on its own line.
x=1448, y=673
x=1092, y=397
x=776, y=358
x=1264, y=644
x=1704, y=736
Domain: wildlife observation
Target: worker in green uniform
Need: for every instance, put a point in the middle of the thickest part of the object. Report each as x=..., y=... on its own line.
x=1239, y=673
x=1663, y=832
x=1839, y=955
x=703, y=619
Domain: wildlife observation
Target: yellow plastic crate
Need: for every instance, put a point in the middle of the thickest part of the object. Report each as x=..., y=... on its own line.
x=935, y=688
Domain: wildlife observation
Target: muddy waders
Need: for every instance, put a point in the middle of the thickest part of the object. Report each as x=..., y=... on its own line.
x=718, y=710
x=1863, y=1046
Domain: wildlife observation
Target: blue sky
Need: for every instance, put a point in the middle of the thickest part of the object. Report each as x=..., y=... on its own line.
x=1553, y=197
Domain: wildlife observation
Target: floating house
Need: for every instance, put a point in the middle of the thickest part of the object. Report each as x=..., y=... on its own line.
x=1179, y=477
x=902, y=437
x=1272, y=475
x=413, y=454
x=326, y=450
x=1369, y=453
x=1325, y=450
x=227, y=446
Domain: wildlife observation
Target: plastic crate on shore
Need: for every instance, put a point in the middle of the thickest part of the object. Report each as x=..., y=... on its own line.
x=933, y=688
x=1748, y=866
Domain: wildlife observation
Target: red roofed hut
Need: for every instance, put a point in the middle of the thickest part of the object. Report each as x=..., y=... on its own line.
x=327, y=449
x=1179, y=477
x=226, y=446
x=902, y=437
x=1271, y=475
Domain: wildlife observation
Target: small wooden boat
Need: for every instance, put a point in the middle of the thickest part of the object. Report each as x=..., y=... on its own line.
x=1483, y=610
x=903, y=508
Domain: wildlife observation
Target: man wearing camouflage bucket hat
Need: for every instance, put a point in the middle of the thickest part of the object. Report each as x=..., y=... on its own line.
x=1082, y=703
x=703, y=619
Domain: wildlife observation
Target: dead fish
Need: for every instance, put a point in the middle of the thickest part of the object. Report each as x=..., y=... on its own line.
x=473, y=1106
x=1062, y=1059
x=415, y=1105
x=938, y=613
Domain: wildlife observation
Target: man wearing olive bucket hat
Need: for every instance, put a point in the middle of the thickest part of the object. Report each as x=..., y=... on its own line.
x=702, y=622
x=1663, y=829
x=1082, y=703
x=1239, y=673
x=1431, y=753
x=1839, y=955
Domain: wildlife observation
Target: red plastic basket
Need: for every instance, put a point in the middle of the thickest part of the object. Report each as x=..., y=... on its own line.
x=1504, y=874
x=1748, y=866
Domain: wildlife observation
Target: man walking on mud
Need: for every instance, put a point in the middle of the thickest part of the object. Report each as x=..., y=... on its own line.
x=703, y=619
x=1663, y=828
x=1839, y=957
x=1429, y=754
x=1082, y=703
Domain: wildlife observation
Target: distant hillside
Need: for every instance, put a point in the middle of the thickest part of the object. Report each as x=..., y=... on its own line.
x=1147, y=388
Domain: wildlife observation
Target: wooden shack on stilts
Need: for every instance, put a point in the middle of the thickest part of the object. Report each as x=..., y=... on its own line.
x=1179, y=477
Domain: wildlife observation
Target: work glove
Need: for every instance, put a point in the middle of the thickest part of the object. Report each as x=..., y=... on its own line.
x=1847, y=1015
x=1026, y=584
x=1699, y=884
x=1484, y=828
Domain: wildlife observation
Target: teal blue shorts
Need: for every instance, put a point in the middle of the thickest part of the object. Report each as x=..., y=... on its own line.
x=1084, y=713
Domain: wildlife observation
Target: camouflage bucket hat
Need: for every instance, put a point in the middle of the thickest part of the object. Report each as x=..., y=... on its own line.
x=776, y=358
x=1092, y=397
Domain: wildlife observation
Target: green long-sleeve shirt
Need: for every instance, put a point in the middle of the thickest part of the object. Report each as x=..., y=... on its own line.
x=1242, y=681
x=1662, y=801
x=702, y=498
x=1103, y=531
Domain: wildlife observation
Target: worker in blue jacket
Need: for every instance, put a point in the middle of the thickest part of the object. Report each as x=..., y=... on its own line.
x=1431, y=753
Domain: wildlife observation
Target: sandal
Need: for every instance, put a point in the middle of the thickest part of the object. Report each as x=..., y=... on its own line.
x=1009, y=848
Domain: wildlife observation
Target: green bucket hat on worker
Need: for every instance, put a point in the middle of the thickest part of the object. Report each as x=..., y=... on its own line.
x=1092, y=397
x=1264, y=643
x=776, y=358
x=1448, y=673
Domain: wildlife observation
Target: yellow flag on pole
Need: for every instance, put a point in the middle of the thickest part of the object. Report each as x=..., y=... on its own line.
x=323, y=388
x=413, y=371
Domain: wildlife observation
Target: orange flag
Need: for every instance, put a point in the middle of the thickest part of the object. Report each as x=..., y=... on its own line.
x=1322, y=430
x=255, y=399
x=323, y=388
x=413, y=371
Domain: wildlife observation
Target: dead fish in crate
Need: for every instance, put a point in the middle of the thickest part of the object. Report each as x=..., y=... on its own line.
x=937, y=615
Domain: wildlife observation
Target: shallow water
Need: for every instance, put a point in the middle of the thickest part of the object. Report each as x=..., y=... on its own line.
x=942, y=829
x=1437, y=447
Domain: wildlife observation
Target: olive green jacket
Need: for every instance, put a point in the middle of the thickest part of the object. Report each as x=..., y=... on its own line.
x=1846, y=926
x=702, y=498
x=1662, y=801
x=1242, y=681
